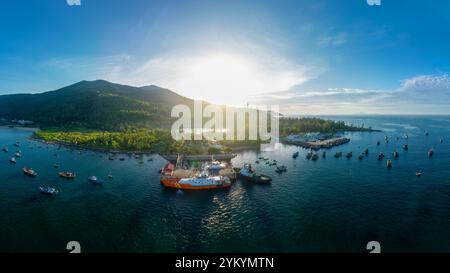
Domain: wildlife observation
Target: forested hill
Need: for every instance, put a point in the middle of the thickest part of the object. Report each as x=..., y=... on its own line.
x=96, y=105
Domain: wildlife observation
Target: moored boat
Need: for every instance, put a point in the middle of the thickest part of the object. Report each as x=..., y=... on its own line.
x=338, y=154
x=324, y=154
x=5, y=149
x=281, y=169
x=430, y=152
x=247, y=173
x=29, y=172
x=366, y=151
x=68, y=175
x=380, y=156
x=361, y=157
x=48, y=190
x=349, y=155
x=13, y=160
x=295, y=155
x=314, y=157
x=405, y=147
x=396, y=154
x=418, y=173
x=389, y=163
x=95, y=180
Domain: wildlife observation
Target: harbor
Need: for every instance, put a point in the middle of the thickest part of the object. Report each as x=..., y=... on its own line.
x=127, y=195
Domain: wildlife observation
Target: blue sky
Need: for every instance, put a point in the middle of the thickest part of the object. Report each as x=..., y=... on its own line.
x=311, y=57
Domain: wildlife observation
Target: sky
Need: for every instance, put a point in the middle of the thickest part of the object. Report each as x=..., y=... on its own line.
x=316, y=57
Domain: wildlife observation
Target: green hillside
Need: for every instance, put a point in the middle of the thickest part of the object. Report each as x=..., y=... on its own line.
x=94, y=105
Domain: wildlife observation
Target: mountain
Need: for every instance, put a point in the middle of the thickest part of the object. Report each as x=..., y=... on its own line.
x=95, y=105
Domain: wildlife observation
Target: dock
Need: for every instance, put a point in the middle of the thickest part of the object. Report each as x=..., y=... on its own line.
x=321, y=144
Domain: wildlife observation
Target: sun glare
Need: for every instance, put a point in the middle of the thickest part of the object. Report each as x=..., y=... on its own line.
x=222, y=78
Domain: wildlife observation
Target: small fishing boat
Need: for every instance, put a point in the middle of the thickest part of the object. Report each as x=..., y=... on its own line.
x=405, y=147
x=295, y=155
x=419, y=173
x=281, y=169
x=48, y=190
x=366, y=151
x=257, y=161
x=29, y=172
x=441, y=140
x=349, y=155
x=18, y=155
x=309, y=155
x=389, y=163
x=324, y=154
x=111, y=158
x=427, y=134
x=110, y=176
x=378, y=143
x=430, y=152
x=338, y=154
x=95, y=180
x=68, y=175
x=122, y=159
x=247, y=173
x=361, y=157
x=314, y=157
x=13, y=160
x=380, y=156
x=150, y=160
x=17, y=144
x=5, y=149
x=396, y=154
x=56, y=165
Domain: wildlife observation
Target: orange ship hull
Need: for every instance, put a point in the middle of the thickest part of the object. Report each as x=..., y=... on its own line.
x=173, y=183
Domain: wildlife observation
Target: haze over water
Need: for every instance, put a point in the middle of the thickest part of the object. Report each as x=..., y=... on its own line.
x=335, y=205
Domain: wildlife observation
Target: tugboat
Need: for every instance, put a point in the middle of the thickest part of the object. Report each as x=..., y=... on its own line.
x=13, y=160
x=389, y=163
x=349, y=155
x=29, y=172
x=281, y=169
x=249, y=174
x=430, y=152
x=396, y=154
x=405, y=147
x=68, y=175
x=48, y=190
x=295, y=155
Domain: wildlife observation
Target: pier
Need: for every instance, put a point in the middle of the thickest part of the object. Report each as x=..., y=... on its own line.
x=321, y=144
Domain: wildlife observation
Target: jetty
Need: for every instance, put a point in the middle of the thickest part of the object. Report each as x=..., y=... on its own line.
x=321, y=144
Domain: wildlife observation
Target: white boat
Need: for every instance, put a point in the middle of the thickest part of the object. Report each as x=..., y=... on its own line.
x=95, y=180
x=204, y=182
x=13, y=160
x=48, y=190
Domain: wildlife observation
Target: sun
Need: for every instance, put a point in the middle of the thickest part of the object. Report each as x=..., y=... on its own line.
x=222, y=78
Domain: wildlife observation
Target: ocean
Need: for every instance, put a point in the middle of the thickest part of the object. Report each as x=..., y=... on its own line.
x=330, y=205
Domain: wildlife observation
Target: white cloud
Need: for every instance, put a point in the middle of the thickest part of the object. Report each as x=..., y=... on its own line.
x=73, y=2
x=220, y=77
x=424, y=94
x=333, y=40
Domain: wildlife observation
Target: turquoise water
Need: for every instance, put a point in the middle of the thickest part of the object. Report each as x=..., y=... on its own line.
x=332, y=205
